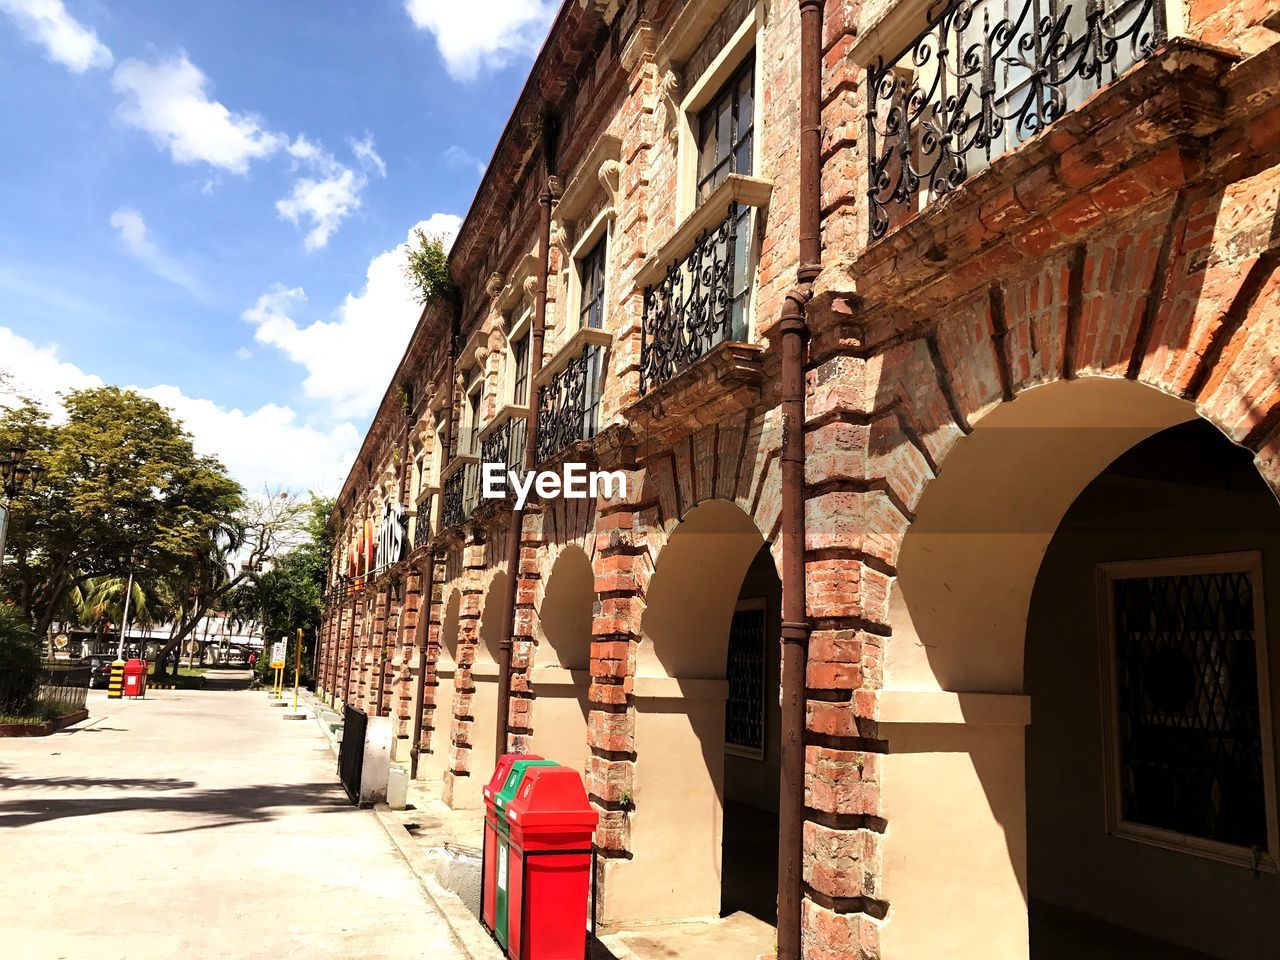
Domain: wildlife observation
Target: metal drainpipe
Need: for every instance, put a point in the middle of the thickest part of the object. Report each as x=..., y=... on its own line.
x=795, y=621
x=537, y=334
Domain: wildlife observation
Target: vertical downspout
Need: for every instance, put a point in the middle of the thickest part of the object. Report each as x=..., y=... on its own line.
x=428, y=580
x=537, y=334
x=795, y=622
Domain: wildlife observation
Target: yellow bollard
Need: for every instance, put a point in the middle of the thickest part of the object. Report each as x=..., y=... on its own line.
x=115, y=686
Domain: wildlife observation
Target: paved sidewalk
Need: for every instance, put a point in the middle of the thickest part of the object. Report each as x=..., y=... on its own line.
x=197, y=825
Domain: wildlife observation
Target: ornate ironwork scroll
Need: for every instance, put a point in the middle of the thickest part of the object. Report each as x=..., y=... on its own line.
x=984, y=76
x=690, y=309
x=568, y=405
x=459, y=494
x=505, y=444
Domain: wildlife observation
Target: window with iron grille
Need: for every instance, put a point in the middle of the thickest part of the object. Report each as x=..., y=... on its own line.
x=726, y=136
x=1192, y=762
x=744, y=711
x=982, y=77
x=591, y=274
x=520, y=357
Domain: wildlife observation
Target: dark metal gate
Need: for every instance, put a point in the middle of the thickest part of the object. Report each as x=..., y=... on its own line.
x=351, y=750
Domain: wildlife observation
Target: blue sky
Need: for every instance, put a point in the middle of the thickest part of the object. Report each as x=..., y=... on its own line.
x=208, y=201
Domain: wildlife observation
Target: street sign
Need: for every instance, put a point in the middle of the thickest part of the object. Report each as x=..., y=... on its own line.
x=4, y=528
x=193, y=646
x=277, y=655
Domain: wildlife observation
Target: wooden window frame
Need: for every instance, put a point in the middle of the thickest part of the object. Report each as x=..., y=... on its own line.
x=1249, y=563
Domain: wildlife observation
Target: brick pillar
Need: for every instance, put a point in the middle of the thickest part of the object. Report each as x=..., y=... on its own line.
x=523, y=642
x=473, y=564
x=436, y=730
x=375, y=653
x=406, y=666
x=351, y=662
x=855, y=525
x=621, y=579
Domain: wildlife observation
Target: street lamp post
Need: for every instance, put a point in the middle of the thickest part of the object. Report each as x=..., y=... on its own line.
x=116, y=684
x=17, y=475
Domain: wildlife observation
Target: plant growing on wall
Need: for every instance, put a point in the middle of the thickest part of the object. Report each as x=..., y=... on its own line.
x=427, y=268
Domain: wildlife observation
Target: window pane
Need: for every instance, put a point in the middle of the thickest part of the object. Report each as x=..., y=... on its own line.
x=1187, y=706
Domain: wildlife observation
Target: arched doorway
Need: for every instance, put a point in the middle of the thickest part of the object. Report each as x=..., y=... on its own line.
x=441, y=734
x=706, y=727
x=483, y=701
x=561, y=677
x=1175, y=546
x=967, y=646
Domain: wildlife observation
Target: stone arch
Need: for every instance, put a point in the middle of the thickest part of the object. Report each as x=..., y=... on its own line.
x=953, y=706
x=559, y=678
x=679, y=691
x=446, y=669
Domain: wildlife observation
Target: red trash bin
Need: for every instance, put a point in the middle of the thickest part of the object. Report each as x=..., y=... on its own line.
x=489, y=845
x=134, y=677
x=551, y=823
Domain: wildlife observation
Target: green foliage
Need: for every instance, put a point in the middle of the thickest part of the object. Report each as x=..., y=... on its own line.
x=427, y=268
x=19, y=662
x=122, y=476
x=290, y=594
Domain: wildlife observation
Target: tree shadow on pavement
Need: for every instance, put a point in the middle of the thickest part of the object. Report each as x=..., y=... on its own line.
x=229, y=806
x=85, y=783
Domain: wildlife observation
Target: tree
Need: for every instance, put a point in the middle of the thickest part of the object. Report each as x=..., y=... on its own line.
x=290, y=594
x=19, y=662
x=122, y=476
x=232, y=555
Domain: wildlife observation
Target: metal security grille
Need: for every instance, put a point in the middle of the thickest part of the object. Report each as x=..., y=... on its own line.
x=984, y=76
x=351, y=751
x=744, y=710
x=1188, y=725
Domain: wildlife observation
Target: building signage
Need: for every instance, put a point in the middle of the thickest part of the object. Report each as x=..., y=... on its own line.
x=391, y=534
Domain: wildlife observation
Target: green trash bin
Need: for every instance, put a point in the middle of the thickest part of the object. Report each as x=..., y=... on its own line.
x=504, y=797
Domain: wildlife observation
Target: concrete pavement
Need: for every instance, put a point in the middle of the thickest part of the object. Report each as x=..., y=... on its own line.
x=197, y=824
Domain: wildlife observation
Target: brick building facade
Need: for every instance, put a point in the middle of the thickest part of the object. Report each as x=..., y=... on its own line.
x=1044, y=240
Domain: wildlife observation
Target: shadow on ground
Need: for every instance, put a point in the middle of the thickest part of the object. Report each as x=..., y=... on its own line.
x=229, y=806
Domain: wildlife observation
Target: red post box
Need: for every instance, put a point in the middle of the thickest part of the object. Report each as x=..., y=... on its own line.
x=551, y=823
x=489, y=846
x=134, y=678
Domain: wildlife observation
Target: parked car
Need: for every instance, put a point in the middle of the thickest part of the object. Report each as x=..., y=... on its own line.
x=99, y=671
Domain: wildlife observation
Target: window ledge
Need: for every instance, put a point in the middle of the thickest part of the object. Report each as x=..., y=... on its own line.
x=508, y=411
x=889, y=33
x=751, y=191
x=456, y=464
x=572, y=348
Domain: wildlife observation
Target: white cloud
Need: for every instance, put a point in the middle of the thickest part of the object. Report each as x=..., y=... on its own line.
x=471, y=42
x=65, y=39
x=462, y=158
x=332, y=194
x=349, y=359
x=133, y=234
x=264, y=447
x=243, y=353
x=368, y=156
x=38, y=372
x=169, y=101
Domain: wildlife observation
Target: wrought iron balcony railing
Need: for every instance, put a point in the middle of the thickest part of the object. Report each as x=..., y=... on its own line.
x=505, y=442
x=421, y=530
x=984, y=76
x=698, y=303
x=569, y=404
x=459, y=494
